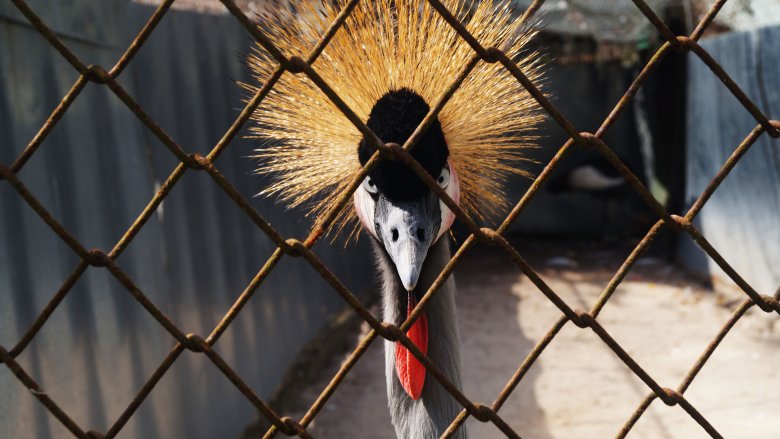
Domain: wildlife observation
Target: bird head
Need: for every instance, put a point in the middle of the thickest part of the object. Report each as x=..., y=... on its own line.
x=389, y=63
x=393, y=203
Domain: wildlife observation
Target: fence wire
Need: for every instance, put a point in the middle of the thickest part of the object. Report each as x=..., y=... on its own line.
x=296, y=248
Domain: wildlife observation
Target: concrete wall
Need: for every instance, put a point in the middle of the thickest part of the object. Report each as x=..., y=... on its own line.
x=95, y=173
x=742, y=220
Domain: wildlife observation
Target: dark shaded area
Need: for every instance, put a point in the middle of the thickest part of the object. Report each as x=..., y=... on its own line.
x=648, y=136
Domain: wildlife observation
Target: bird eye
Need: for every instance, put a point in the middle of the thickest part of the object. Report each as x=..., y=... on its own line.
x=369, y=186
x=444, y=177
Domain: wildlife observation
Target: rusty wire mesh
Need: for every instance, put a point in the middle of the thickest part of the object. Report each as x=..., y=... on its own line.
x=296, y=248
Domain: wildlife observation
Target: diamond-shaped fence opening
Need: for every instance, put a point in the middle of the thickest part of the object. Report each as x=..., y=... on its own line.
x=302, y=248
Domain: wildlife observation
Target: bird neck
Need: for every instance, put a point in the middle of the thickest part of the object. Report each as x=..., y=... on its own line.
x=430, y=415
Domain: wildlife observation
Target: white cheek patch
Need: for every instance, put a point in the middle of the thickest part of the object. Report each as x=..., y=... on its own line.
x=364, y=206
x=453, y=190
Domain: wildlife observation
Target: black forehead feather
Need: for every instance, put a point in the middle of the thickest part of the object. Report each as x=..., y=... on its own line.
x=394, y=118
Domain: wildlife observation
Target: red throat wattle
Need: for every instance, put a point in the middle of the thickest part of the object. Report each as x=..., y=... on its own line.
x=410, y=371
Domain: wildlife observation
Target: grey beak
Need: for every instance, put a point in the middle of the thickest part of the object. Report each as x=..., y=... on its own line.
x=407, y=230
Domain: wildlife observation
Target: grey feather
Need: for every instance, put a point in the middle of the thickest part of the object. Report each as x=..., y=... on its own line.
x=428, y=417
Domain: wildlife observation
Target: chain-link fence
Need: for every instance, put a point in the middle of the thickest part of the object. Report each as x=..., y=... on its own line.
x=293, y=247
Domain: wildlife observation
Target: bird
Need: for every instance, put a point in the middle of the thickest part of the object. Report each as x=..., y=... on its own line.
x=605, y=187
x=390, y=62
x=594, y=175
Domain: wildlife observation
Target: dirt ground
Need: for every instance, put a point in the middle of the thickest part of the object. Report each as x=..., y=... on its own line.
x=578, y=388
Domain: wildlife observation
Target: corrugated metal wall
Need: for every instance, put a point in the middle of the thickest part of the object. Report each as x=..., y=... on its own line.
x=95, y=173
x=742, y=220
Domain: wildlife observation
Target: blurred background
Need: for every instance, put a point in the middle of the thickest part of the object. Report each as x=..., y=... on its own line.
x=100, y=166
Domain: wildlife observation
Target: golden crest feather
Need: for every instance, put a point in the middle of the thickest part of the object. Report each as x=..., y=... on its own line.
x=310, y=147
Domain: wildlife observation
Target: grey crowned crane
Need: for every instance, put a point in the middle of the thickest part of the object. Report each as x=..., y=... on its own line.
x=390, y=62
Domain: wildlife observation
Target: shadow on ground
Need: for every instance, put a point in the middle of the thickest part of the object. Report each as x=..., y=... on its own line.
x=578, y=387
